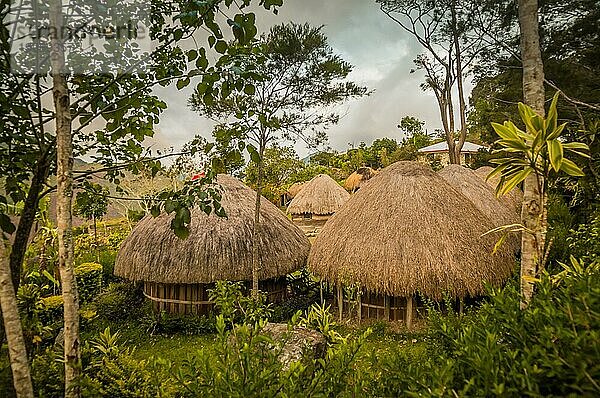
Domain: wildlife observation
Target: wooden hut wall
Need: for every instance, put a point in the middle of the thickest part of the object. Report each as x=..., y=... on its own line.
x=378, y=306
x=194, y=298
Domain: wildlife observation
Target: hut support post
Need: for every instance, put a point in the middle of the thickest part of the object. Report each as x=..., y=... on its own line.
x=340, y=300
x=386, y=306
x=409, y=311
x=321, y=291
x=359, y=303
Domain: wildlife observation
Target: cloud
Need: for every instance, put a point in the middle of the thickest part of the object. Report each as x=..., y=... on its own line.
x=382, y=56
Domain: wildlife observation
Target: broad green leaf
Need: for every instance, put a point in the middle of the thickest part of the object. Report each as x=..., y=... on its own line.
x=552, y=117
x=514, y=144
x=511, y=183
x=556, y=132
x=504, y=131
x=569, y=167
x=555, y=153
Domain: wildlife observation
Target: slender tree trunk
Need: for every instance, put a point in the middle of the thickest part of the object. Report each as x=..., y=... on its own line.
x=451, y=124
x=27, y=218
x=459, y=82
x=256, y=228
x=532, y=212
x=64, y=176
x=14, y=334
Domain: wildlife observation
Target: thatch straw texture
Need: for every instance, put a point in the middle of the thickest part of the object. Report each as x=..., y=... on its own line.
x=320, y=196
x=294, y=189
x=513, y=199
x=217, y=248
x=360, y=176
x=409, y=231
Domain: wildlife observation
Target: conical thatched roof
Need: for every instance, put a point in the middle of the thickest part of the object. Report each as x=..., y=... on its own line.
x=217, y=248
x=294, y=189
x=513, y=199
x=409, y=231
x=320, y=196
x=356, y=179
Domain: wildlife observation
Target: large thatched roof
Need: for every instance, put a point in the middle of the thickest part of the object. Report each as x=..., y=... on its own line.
x=217, y=248
x=360, y=176
x=409, y=231
x=320, y=196
x=513, y=199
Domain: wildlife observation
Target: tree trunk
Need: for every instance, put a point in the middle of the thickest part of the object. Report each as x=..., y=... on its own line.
x=532, y=212
x=27, y=218
x=256, y=226
x=14, y=334
x=64, y=197
x=459, y=82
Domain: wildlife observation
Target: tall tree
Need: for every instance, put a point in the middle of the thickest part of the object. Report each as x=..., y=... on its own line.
x=14, y=332
x=64, y=216
x=443, y=30
x=298, y=79
x=532, y=213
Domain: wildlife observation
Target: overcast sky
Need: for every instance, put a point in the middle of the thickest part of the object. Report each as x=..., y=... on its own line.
x=382, y=56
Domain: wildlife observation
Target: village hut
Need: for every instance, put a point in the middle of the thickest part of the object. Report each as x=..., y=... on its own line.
x=482, y=195
x=177, y=273
x=290, y=194
x=359, y=177
x=405, y=233
x=318, y=199
x=513, y=199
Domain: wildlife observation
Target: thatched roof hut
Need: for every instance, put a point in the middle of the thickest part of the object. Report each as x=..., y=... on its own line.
x=356, y=179
x=408, y=231
x=513, y=199
x=321, y=196
x=294, y=189
x=217, y=248
x=481, y=194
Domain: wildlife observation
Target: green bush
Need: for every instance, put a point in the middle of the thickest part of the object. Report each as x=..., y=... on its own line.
x=52, y=310
x=89, y=281
x=548, y=349
x=120, y=301
x=584, y=241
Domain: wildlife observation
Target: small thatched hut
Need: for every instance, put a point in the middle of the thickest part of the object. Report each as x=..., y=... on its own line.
x=178, y=272
x=291, y=193
x=318, y=199
x=404, y=233
x=513, y=199
x=483, y=197
x=359, y=177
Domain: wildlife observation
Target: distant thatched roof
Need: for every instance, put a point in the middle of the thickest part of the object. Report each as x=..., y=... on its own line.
x=320, y=196
x=294, y=189
x=409, y=231
x=513, y=199
x=356, y=179
x=217, y=248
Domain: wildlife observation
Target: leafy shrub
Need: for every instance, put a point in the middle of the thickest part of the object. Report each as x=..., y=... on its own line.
x=108, y=370
x=31, y=307
x=120, y=301
x=584, y=241
x=548, y=349
x=53, y=309
x=560, y=221
x=89, y=280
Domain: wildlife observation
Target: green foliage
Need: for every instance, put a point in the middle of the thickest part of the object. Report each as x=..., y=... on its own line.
x=560, y=222
x=92, y=202
x=236, y=306
x=537, y=151
x=89, y=281
x=171, y=324
x=53, y=310
x=120, y=301
x=584, y=241
x=548, y=349
x=31, y=310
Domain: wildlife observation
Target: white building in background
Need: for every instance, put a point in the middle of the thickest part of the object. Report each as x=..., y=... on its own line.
x=439, y=152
